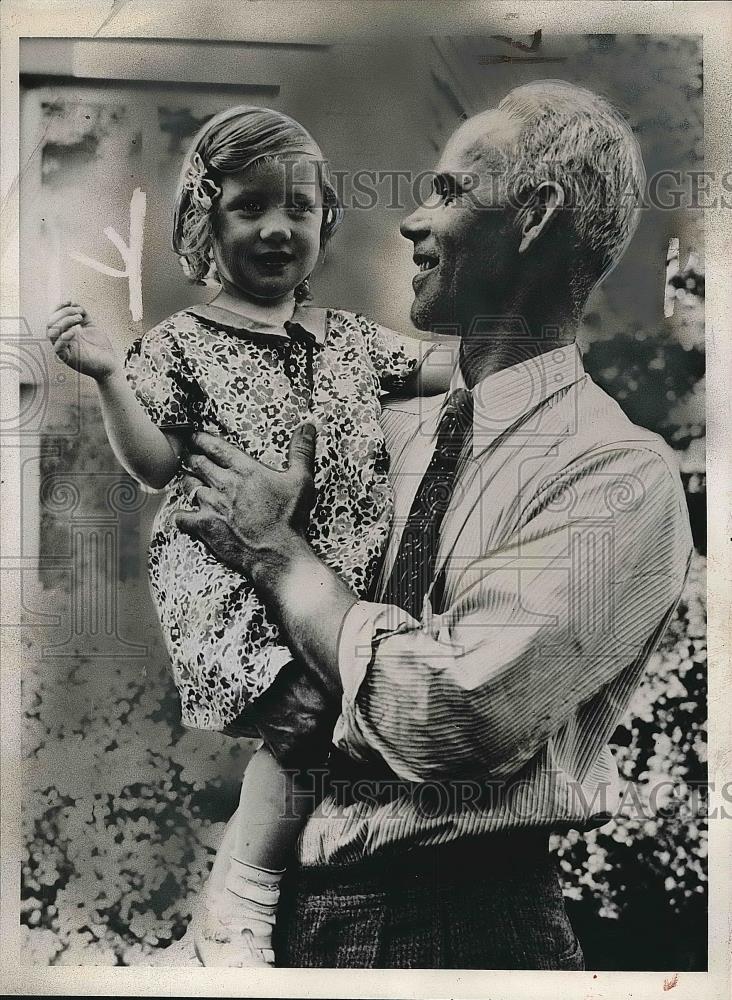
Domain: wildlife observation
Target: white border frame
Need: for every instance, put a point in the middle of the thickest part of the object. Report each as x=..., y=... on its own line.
x=314, y=21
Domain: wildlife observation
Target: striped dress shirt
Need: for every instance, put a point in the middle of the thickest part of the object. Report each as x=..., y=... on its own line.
x=564, y=550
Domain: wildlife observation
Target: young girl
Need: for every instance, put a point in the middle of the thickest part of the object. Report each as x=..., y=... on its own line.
x=254, y=209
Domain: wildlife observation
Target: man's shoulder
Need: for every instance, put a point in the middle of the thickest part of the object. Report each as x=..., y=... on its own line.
x=602, y=424
x=609, y=441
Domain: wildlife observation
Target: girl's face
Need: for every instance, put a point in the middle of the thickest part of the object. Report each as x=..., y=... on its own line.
x=266, y=228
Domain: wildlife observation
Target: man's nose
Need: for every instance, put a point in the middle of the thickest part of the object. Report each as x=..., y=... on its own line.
x=415, y=227
x=275, y=226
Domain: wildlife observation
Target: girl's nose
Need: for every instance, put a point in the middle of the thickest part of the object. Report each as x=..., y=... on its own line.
x=275, y=225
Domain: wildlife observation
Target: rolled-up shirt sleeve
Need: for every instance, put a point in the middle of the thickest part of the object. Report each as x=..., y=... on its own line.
x=538, y=626
x=364, y=628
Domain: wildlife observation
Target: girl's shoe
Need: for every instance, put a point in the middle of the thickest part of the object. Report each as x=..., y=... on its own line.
x=180, y=954
x=223, y=942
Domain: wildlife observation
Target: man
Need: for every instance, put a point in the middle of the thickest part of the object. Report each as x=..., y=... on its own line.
x=540, y=545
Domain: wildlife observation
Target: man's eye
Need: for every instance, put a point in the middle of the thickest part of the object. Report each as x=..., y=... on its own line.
x=299, y=208
x=444, y=190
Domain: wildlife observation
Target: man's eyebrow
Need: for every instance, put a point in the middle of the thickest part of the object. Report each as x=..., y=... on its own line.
x=451, y=181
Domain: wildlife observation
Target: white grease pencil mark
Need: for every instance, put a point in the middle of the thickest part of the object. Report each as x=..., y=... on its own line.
x=672, y=269
x=131, y=254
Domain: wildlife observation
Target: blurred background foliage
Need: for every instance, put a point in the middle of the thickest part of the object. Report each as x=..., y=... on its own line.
x=122, y=807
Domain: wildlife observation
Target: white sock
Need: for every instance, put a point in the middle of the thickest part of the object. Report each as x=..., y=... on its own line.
x=253, y=893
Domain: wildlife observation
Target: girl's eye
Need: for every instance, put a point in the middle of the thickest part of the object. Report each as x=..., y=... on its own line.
x=250, y=207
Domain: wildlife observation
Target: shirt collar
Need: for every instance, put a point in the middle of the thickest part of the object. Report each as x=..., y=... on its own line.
x=310, y=318
x=502, y=399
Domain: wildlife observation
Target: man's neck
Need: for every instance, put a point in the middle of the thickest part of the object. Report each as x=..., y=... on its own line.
x=485, y=352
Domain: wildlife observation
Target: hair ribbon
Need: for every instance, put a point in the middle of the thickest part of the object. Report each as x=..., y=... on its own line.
x=201, y=188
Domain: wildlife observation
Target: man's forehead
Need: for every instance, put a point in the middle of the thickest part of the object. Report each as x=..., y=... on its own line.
x=479, y=141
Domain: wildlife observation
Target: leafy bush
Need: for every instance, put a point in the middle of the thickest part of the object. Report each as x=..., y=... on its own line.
x=647, y=868
x=648, y=376
x=122, y=807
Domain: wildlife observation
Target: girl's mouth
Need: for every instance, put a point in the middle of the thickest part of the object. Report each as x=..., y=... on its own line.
x=275, y=258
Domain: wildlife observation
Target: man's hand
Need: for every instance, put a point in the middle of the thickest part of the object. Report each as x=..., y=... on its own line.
x=250, y=516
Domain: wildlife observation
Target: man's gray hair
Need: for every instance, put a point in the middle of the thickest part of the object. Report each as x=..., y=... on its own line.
x=577, y=139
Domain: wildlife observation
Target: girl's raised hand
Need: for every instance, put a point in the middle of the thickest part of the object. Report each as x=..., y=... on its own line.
x=80, y=344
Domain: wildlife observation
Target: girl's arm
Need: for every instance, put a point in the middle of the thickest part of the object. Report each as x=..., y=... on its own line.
x=407, y=365
x=149, y=454
x=433, y=375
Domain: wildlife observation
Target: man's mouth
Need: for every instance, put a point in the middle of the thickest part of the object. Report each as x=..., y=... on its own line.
x=426, y=261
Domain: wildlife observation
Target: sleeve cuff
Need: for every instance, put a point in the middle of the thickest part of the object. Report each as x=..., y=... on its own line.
x=363, y=626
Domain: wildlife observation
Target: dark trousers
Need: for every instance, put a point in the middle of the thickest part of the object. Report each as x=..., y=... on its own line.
x=488, y=904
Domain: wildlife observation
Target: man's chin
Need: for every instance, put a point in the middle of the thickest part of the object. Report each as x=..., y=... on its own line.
x=424, y=316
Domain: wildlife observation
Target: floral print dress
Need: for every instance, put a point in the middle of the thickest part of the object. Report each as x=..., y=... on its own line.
x=211, y=369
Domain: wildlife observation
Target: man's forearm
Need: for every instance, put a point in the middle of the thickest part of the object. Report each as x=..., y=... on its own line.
x=309, y=602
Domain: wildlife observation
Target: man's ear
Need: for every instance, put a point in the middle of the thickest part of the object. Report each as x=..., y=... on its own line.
x=545, y=203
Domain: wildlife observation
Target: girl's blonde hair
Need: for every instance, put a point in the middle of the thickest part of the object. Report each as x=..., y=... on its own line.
x=230, y=142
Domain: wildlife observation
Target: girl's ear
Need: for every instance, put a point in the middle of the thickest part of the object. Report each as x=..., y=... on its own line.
x=302, y=292
x=328, y=216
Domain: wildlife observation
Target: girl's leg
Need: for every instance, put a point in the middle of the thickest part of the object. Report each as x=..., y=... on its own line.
x=242, y=891
x=271, y=813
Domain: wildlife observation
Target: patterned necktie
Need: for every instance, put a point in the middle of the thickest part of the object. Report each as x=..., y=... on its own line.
x=414, y=565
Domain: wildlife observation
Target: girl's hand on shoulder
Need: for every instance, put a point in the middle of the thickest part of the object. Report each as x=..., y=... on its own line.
x=80, y=344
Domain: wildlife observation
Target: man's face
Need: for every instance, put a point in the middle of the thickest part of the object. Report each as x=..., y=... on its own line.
x=465, y=243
